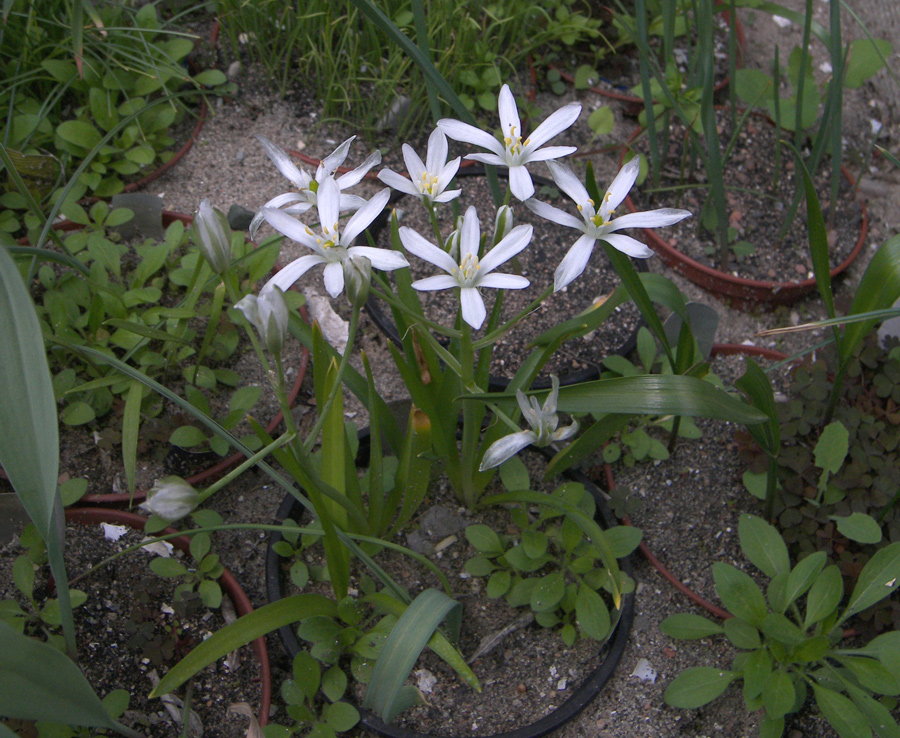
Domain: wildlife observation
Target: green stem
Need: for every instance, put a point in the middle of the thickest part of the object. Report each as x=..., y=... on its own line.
x=338, y=384
x=473, y=413
x=497, y=334
x=251, y=461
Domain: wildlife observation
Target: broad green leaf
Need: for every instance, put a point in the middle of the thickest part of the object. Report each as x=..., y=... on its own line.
x=334, y=683
x=802, y=576
x=865, y=59
x=38, y=682
x=844, y=716
x=872, y=674
x=548, y=592
x=698, y=686
x=757, y=670
x=534, y=542
x=780, y=628
x=886, y=648
x=858, y=527
x=340, y=716
x=739, y=593
x=484, y=539
x=307, y=674
x=832, y=446
x=812, y=649
x=77, y=413
x=763, y=545
x=514, y=474
x=878, y=579
x=824, y=596
x=741, y=634
x=688, y=626
x=778, y=694
x=79, y=133
x=623, y=539
x=187, y=436
x=592, y=613
x=877, y=715
x=241, y=632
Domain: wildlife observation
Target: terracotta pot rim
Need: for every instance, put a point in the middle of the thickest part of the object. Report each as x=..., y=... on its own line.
x=242, y=605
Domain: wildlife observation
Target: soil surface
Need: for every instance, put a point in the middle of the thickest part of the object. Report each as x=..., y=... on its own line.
x=689, y=505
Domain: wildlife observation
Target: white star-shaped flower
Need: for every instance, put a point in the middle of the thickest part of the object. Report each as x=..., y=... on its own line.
x=304, y=197
x=332, y=246
x=598, y=223
x=428, y=180
x=544, y=428
x=470, y=273
x=513, y=151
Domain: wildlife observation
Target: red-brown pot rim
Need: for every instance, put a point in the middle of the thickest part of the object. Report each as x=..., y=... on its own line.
x=242, y=605
x=745, y=293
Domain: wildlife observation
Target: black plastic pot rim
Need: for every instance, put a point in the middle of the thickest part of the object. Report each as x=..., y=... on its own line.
x=495, y=383
x=567, y=711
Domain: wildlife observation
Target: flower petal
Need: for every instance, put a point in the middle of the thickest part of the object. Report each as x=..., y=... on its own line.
x=447, y=196
x=573, y=262
x=564, y=434
x=510, y=245
x=509, y=112
x=459, y=131
x=650, y=219
x=293, y=271
x=437, y=282
x=446, y=174
x=284, y=164
x=504, y=281
x=551, y=152
x=328, y=203
x=331, y=162
x=469, y=234
x=520, y=183
x=555, y=124
x=473, y=310
x=414, y=164
x=492, y=159
x=361, y=219
x=398, y=182
x=436, y=154
x=425, y=250
x=290, y=227
x=384, y=259
x=622, y=184
x=567, y=181
x=334, y=278
x=354, y=177
x=505, y=448
x=554, y=215
x=628, y=245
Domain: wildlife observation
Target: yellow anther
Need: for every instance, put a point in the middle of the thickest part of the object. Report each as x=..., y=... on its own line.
x=590, y=202
x=580, y=208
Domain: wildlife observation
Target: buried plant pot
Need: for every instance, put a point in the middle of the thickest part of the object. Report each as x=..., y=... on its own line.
x=130, y=625
x=746, y=293
x=96, y=447
x=577, y=360
x=593, y=670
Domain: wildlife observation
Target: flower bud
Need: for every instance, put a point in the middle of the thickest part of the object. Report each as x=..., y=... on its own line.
x=171, y=499
x=213, y=237
x=452, y=242
x=268, y=313
x=503, y=223
x=357, y=280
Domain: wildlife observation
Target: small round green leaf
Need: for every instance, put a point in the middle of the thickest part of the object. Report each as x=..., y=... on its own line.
x=698, y=686
x=341, y=716
x=858, y=527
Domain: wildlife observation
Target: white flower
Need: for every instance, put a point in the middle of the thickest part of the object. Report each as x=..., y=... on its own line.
x=513, y=152
x=171, y=499
x=331, y=246
x=305, y=196
x=427, y=181
x=213, y=237
x=268, y=313
x=599, y=224
x=471, y=273
x=543, y=431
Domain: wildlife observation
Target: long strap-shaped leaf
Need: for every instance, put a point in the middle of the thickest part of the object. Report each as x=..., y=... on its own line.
x=242, y=631
x=386, y=695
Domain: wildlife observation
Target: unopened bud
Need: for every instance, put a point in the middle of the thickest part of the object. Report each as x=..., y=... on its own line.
x=452, y=242
x=171, y=499
x=503, y=223
x=357, y=280
x=268, y=313
x=213, y=237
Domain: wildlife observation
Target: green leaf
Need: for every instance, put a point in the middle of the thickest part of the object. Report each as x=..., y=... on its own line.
x=385, y=695
x=602, y=121
x=79, y=133
x=169, y=568
x=534, y=542
x=812, y=649
x=886, y=648
x=340, y=716
x=739, y=593
x=844, y=716
x=514, y=474
x=592, y=613
x=831, y=448
x=698, y=686
x=741, y=634
x=824, y=596
x=778, y=694
x=498, y=585
x=858, y=527
x=877, y=715
x=757, y=670
x=763, y=545
x=77, y=413
x=307, y=674
x=334, y=683
x=38, y=682
x=241, y=632
x=23, y=576
x=187, y=436
x=688, y=626
x=778, y=627
x=210, y=78
x=623, y=539
x=131, y=423
x=872, y=674
x=548, y=592
x=484, y=539
x=865, y=59
x=802, y=576
x=878, y=579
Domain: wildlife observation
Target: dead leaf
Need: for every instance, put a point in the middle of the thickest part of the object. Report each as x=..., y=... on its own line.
x=242, y=708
